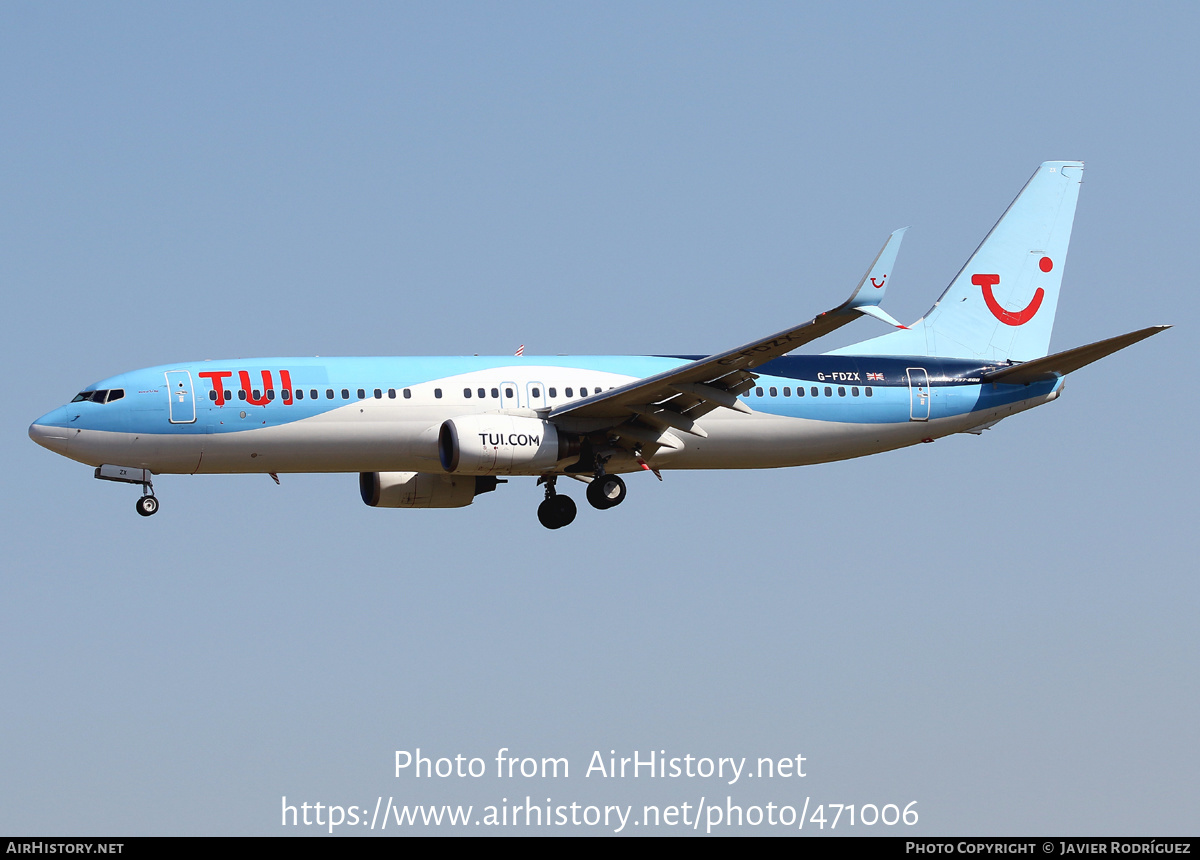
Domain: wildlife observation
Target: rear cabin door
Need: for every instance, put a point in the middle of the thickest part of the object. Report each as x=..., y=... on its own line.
x=918, y=394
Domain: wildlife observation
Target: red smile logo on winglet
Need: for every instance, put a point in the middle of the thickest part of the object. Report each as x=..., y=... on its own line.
x=1013, y=318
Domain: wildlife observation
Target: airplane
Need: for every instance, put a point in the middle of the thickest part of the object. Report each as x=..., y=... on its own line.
x=427, y=432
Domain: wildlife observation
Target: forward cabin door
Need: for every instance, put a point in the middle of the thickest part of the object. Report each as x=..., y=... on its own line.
x=181, y=397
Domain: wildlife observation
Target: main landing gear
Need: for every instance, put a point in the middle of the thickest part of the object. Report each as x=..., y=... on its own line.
x=603, y=492
x=606, y=491
x=555, y=511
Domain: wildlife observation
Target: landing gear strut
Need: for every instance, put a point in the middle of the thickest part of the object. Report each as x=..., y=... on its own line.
x=555, y=511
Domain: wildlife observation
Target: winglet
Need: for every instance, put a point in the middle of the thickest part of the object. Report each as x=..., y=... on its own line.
x=871, y=288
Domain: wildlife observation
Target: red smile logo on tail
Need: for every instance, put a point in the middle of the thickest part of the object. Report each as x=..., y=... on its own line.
x=1014, y=318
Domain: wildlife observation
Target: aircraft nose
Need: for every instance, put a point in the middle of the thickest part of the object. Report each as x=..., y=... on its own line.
x=53, y=430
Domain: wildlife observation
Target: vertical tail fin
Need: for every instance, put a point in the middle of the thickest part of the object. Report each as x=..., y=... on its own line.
x=1001, y=304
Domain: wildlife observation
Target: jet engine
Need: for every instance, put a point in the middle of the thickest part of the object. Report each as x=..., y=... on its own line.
x=421, y=489
x=502, y=445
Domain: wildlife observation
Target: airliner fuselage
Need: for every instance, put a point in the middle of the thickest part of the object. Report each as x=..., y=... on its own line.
x=384, y=414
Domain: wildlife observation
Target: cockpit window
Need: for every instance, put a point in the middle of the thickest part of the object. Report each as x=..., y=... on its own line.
x=104, y=395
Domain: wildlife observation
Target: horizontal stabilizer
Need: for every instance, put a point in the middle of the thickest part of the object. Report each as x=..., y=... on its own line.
x=1060, y=364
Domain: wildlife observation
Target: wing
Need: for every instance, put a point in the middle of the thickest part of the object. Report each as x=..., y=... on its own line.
x=647, y=410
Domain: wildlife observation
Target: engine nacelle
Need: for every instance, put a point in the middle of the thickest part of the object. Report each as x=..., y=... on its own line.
x=421, y=489
x=501, y=445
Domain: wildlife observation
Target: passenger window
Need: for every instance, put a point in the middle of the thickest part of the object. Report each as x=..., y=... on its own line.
x=482, y=392
x=345, y=393
x=841, y=391
x=467, y=393
x=854, y=390
x=407, y=393
x=212, y=395
x=299, y=393
x=537, y=392
x=328, y=393
x=553, y=392
x=828, y=391
x=569, y=392
x=508, y=392
x=362, y=394
x=437, y=392
x=868, y=391
x=241, y=394
x=799, y=391
x=813, y=391
x=495, y=392
x=774, y=391
x=378, y=394
x=312, y=393
x=787, y=392
x=391, y=394
x=758, y=392
x=270, y=394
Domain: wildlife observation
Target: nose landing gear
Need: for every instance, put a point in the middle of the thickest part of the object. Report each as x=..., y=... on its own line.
x=147, y=505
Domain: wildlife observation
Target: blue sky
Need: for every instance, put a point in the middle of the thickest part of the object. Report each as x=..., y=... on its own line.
x=1001, y=628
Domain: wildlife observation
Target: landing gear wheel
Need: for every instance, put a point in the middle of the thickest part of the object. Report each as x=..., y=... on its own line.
x=147, y=506
x=556, y=512
x=606, y=491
